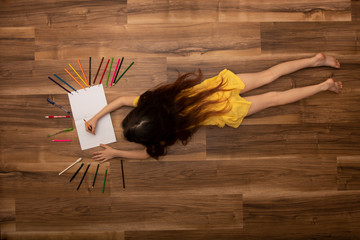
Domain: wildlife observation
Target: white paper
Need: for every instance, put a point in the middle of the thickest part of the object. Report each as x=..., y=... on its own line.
x=84, y=105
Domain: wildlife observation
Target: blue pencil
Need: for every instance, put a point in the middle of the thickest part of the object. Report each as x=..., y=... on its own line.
x=64, y=82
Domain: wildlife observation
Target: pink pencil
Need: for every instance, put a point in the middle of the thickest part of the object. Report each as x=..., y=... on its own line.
x=115, y=72
x=61, y=140
x=57, y=116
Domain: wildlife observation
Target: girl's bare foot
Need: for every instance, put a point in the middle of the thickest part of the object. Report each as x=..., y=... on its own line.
x=325, y=60
x=333, y=86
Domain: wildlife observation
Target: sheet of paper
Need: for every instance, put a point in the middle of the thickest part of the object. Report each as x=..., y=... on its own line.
x=84, y=105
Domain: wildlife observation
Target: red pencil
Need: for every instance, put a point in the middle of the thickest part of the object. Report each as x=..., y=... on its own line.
x=104, y=71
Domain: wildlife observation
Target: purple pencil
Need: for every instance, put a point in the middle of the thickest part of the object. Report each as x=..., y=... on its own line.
x=59, y=85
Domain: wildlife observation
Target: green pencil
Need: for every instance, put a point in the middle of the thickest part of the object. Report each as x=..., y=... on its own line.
x=104, y=181
x=109, y=71
x=124, y=72
x=95, y=175
x=65, y=130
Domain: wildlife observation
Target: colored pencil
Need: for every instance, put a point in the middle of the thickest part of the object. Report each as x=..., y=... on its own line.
x=95, y=175
x=89, y=71
x=53, y=103
x=70, y=166
x=65, y=130
x=107, y=81
x=104, y=71
x=59, y=84
x=82, y=70
x=78, y=74
x=114, y=73
x=122, y=172
x=124, y=72
x=57, y=116
x=122, y=59
x=65, y=82
x=88, y=125
x=61, y=140
x=76, y=172
x=83, y=176
x=98, y=70
x=74, y=78
x=104, y=181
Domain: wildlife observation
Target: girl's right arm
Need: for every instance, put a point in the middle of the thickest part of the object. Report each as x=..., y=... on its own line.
x=116, y=104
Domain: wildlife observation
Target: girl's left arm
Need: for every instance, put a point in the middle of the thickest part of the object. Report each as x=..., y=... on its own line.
x=109, y=153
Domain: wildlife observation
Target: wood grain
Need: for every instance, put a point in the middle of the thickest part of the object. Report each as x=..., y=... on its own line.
x=158, y=212
x=274, y=140
x=158, y=12
x=288, y=172
x=324, y=37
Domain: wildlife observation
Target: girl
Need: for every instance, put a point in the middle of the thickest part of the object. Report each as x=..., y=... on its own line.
x=175, y=111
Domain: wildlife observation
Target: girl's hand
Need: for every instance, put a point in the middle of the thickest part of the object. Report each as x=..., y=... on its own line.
x=92, y=122
x=104, y=155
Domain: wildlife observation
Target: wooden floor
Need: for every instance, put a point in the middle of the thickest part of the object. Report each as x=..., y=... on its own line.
x=290, y=172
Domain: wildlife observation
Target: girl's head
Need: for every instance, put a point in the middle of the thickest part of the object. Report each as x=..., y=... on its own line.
x=169, y=113
x=152, y=124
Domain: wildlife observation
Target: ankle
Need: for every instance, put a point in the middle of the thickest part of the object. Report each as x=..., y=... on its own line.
x=318, y=60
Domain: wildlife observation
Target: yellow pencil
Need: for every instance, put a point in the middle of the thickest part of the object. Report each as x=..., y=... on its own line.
x=74, y=78
x=82, y=71
x=78, y=74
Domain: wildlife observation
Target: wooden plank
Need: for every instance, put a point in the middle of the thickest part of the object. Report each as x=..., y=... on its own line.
x=7, y=212
x=41, y=179
x=355, y=10
x=230, y=234
x=238, y=176
x=334, y=37
x=161, y=40
x=285, y=11
x=348, y=172
x=159, y=12
x=275, y=140
x=62, y=13
x=156, y=212
x=76, y=235
x=321, y=214
x=17, y=43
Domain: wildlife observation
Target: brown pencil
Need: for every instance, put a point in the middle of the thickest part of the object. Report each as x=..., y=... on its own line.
x=98, y=70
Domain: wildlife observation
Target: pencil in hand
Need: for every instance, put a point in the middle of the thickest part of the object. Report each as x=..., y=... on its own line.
x=89, y=127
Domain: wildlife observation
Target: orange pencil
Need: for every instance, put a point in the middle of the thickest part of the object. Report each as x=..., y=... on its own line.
x=82, y=71
x=74, y=78
x=88, y=125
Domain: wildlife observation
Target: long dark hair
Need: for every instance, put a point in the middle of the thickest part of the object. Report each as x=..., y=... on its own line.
x=169, y=113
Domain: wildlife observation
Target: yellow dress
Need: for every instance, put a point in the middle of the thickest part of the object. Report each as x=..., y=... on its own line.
x=239, y=106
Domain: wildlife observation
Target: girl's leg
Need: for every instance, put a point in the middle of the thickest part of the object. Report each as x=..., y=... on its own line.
x=270, y=99
x=255, y=80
